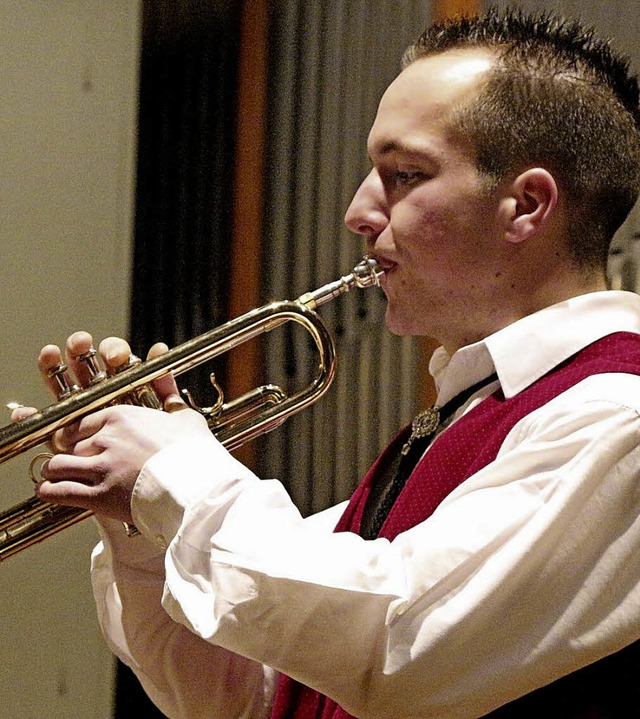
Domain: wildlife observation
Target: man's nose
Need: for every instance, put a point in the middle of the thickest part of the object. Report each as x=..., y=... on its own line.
x=367, y=214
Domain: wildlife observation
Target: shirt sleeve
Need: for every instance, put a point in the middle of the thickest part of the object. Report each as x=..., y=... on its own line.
x=524, y=573
x=185, y=676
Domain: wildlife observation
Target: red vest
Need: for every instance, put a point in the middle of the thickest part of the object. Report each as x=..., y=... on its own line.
x=481, y=432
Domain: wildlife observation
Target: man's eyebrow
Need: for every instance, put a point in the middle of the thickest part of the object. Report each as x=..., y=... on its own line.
x=386, y=147
x=400, y=146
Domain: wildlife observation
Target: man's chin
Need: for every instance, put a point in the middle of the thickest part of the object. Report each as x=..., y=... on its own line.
x=403, y=326
x=398, y=325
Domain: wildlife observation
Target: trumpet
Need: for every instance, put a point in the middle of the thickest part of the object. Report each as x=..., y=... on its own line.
x=233, y=423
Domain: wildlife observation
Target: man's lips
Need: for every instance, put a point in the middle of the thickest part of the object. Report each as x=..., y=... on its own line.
x=386, y=264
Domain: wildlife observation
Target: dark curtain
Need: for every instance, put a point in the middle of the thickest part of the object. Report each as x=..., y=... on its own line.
x=185, y=169
x=184, y=195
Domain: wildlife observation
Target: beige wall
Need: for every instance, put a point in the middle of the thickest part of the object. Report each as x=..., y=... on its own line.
x=68, y=89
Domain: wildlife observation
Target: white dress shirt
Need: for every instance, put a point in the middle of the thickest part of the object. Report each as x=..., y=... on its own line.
x=527, y=571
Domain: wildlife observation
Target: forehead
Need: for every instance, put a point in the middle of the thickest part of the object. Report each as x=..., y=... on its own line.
x=419, y=101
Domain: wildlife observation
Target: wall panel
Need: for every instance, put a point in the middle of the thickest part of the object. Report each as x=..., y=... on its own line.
x=68, y=127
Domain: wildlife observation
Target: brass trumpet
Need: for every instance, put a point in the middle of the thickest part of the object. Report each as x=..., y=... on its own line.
x=233, y=423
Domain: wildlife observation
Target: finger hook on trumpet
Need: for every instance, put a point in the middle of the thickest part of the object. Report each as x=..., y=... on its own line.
x=38, y=462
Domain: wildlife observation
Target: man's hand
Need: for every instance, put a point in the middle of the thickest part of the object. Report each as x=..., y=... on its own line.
x=97, y=460
x=101, y=456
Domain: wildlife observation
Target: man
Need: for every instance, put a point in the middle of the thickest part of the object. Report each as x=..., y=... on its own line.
x=499, y=575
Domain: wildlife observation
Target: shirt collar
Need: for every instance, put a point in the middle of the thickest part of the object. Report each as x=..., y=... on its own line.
x=524, y=351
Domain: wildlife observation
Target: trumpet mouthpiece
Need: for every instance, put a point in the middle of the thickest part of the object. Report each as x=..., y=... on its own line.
x=366, y=273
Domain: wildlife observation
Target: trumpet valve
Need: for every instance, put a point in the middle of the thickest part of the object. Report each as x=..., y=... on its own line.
x=89, y=359
x=65, y=387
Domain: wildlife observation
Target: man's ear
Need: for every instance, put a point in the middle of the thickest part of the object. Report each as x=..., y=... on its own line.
x=528, y=204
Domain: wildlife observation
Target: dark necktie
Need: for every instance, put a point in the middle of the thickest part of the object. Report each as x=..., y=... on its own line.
x=395, y=475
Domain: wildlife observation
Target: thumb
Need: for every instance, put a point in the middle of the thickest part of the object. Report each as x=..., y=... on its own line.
x=19, y=412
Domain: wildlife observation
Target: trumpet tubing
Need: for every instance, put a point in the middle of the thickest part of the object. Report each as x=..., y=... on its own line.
x=233, y=423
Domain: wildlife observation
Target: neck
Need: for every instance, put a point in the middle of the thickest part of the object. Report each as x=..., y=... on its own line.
x=520, y=297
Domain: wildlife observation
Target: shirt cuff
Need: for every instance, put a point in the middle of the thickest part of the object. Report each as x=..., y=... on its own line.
x=136, y=553
x=177, y=478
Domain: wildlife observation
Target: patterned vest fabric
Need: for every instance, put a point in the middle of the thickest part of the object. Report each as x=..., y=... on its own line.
x=463, y=449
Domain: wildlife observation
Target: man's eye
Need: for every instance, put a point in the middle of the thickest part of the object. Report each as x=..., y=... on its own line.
x=406, y=177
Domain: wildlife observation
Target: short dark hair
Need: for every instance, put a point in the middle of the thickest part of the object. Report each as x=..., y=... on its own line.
x=559, y=98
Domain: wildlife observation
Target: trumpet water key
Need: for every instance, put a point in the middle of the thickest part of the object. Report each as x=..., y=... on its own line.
x=233, y=423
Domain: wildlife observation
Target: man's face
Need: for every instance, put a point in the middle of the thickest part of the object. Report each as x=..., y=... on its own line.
x=423, y=209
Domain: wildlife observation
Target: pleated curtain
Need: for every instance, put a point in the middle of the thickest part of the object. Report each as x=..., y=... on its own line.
x=329, y=64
